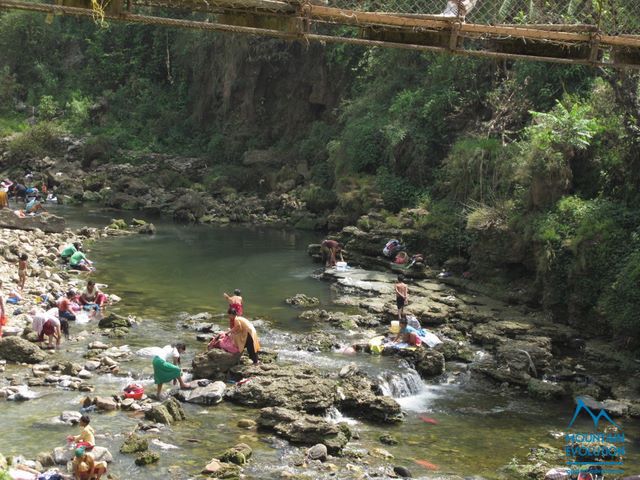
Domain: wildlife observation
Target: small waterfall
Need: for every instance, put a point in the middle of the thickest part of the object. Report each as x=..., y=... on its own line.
x=401, y=384
x=335, y=416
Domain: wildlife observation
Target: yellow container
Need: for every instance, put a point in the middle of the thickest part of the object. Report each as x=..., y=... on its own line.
x=395, y=326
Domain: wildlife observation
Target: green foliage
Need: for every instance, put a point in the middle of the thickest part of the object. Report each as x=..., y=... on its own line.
x=319, y=200
x=582, y=247
x=442, y=232
x=77, y=109
x=563, y=128
x=223, y=177
x=621, y=303
x=48, y=108
x=38, y=140
x=11, y=123
x=479, y=169
x=552, y=141
x=313, y=148
x=484, y=217
x=8, y=89
x=396, y=191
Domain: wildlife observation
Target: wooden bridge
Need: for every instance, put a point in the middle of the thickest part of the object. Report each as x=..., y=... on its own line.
x=588, y=32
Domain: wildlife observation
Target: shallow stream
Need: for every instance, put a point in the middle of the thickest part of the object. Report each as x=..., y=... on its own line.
x=476, y=429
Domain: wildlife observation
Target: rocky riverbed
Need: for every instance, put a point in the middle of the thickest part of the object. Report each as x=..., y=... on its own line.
x=291, y=402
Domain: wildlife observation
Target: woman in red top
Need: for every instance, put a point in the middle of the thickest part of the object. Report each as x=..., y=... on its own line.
x=235, y=301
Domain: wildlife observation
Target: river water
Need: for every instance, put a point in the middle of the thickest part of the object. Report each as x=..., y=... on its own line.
x=476, y=429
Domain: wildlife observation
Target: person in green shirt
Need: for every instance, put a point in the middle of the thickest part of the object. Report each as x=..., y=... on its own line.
x=70, y=250
x=79, y=261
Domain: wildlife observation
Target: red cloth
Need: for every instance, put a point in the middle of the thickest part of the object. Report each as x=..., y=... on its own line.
x=48, y=328
x=238, y=308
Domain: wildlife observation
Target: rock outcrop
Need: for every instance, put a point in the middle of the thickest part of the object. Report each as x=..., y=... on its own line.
x=304, y=429
x=45, y=221
x=18, y=350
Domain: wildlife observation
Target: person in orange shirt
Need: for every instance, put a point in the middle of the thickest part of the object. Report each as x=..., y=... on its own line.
x=244, y=335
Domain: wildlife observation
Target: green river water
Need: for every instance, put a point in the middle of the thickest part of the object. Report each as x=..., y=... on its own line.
x=185, y=268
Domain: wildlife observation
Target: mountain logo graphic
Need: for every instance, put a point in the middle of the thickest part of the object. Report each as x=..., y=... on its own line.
x=596, y=418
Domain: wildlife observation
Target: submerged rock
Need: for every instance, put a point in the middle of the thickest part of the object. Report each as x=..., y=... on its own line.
x=147, y=458
x=217, y=469
x=318, y=452
x=303, y=429
x=134, y=443
x=18, y=350
x=302, y=300
x=239, y=454
x=170, y=411
x=114, y=320
x=545, y=390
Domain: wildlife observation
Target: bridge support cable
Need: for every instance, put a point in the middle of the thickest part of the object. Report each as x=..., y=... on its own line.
x=582, y=44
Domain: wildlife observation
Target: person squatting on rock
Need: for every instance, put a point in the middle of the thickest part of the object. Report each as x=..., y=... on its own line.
x=69, y=250
x=330, y=248
x=65, y=312
x=93, y=297
x=85, y=467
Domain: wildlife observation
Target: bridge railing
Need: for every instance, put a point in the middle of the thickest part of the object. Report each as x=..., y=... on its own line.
x=613, y=17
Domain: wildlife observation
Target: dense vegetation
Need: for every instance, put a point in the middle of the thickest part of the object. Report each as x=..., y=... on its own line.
x=524, y=170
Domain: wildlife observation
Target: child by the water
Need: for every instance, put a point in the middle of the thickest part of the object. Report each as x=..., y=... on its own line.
x=22, y=270
x=402, y=295
x=3, y=315
x=87, y=434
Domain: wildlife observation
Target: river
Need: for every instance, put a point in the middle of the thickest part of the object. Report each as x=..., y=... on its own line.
x=477, y=429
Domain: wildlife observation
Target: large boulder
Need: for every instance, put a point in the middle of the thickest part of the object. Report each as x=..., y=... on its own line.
x=45, y=221
x=238, y=454
x=114, y=320
x=292, y=386
x=18, y=350
x=214, y=365
x=358, y=396
x=168, y=412
x=210, y=394
x=134, y=443
x=304, y=429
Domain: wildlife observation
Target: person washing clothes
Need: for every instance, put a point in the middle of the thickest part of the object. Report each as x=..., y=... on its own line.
x=166, y=363
x=87, y=437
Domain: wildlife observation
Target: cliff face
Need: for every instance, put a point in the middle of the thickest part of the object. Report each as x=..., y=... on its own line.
x=271, y=88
